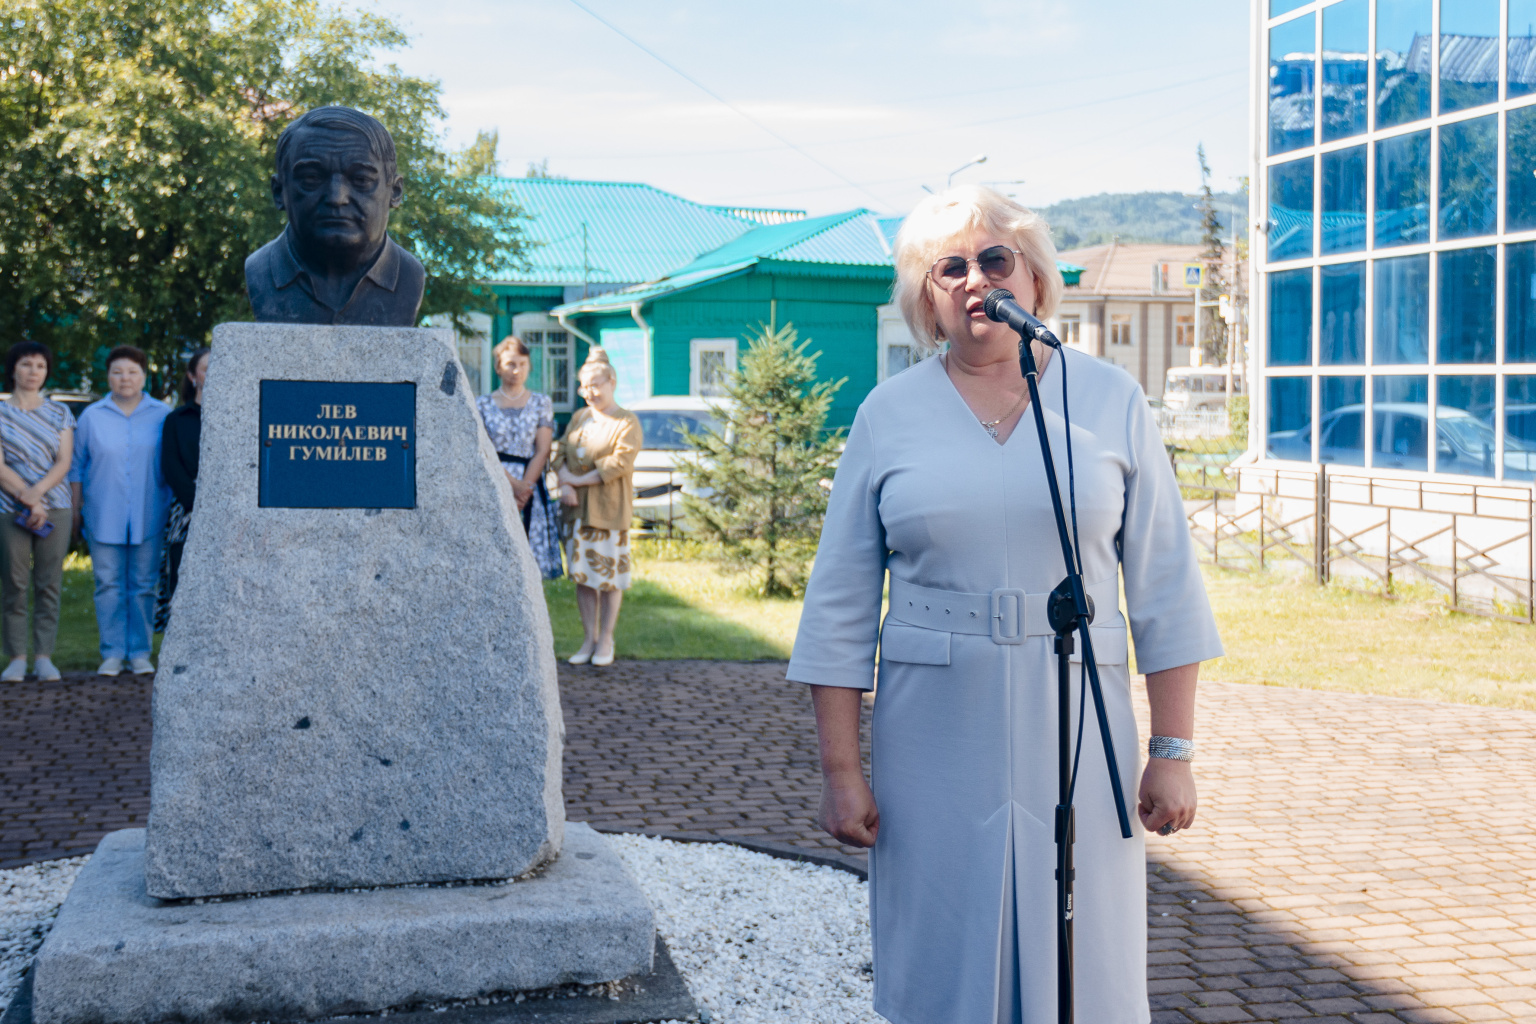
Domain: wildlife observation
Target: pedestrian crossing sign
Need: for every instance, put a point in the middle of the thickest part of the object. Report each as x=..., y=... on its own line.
x=1194, y=275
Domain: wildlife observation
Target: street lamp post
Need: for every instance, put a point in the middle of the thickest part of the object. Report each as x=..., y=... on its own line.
x=979, y=158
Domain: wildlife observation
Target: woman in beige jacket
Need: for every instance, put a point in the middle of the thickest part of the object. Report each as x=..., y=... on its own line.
x=596, y=467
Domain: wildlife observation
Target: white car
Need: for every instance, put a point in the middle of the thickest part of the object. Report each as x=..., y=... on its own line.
x=659, y=485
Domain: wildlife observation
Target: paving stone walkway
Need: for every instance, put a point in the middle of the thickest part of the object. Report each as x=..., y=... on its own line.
x=1358, y=859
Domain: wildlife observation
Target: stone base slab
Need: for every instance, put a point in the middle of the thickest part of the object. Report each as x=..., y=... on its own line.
x=119, y=956
x=653, y=998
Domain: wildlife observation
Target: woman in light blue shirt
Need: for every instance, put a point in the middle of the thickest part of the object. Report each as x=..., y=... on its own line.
x=121, y=500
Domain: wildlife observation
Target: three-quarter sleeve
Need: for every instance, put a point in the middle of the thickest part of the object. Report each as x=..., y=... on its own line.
x=619, y=461
x=1169, y=612
x=840, y=622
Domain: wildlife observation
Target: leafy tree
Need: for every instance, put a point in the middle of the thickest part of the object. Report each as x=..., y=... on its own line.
x=1213, y=330
x=136, y=143
x=763, y=472
x=478, y=159
x=540, y=170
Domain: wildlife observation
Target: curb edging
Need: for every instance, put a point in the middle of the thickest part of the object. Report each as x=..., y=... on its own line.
x=781, y=851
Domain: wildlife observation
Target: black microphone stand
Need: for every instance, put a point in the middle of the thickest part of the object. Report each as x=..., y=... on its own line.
x=1069, y=610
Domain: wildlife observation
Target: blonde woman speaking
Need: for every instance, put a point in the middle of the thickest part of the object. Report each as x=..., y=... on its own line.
x=943, y=489
x=596, y=467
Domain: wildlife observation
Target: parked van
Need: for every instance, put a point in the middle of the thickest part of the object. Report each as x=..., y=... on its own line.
x=1190, y=388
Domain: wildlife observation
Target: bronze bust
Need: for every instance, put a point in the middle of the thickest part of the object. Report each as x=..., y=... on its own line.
x=335, y=263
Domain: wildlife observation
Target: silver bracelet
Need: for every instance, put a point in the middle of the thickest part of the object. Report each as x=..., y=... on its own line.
x=1171, y=747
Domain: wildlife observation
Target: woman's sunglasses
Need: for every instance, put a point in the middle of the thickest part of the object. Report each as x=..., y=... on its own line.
x=996, y=263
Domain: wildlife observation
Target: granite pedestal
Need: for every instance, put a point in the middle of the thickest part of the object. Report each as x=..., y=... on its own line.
x=118, y=954
x=351, y=696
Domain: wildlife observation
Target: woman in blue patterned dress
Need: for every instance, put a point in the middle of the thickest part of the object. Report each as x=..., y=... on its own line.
x=521, y=425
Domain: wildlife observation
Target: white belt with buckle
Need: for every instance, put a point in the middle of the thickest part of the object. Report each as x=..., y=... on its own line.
x=1007, y=614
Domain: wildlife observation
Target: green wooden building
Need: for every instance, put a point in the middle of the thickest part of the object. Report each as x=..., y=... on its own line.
x=671, y=289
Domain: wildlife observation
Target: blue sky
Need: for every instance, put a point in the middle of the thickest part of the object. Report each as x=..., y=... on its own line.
x=826, y=105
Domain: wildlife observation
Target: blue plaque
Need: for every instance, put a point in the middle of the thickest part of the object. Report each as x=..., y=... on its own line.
x=329, y=444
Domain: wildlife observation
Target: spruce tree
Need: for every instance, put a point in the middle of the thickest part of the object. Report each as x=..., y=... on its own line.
x=761, y=476
x=1213, y=330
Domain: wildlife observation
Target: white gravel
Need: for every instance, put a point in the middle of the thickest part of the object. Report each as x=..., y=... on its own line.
x=759, y=940
x=29, y=900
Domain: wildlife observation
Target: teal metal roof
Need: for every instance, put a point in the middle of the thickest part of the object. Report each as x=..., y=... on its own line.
x=850, y=238
x=680, y=282
x=761, y=215
x=835, y=242
x=608, y=232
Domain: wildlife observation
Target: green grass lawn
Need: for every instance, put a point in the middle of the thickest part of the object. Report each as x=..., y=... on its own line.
x=1278, y=631
x=680, y=606
x=1287, y=632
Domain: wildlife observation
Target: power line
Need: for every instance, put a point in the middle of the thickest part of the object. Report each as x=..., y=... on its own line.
x=727, y=103
x=918, y=131
x=1078, y=143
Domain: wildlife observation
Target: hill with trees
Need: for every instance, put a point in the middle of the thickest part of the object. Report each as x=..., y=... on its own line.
x=1169, y=217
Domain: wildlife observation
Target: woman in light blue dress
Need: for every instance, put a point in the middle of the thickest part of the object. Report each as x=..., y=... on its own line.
x=942, y=486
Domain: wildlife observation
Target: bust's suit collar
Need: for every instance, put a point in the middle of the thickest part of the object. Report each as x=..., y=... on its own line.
x=286, y=268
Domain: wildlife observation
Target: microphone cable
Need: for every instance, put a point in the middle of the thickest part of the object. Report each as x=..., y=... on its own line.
x=1077, y=552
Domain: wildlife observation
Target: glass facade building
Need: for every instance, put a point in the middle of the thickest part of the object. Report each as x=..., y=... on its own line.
x=1395, y=261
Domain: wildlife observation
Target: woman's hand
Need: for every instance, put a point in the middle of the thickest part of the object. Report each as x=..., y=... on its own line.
x=31, y=496
x=568, y=496
x=522, y=490
x=37, y=514
x=1167, y=794
x=848, y=812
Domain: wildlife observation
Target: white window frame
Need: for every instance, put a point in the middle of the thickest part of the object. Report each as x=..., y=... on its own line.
x=696, y=348
x=1070, y=329
x=1184, y=330
x=536, y=329
x=1122, y=320
x=893, y=331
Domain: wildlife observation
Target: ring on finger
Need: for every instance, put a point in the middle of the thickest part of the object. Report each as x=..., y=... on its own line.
x=1168, y=829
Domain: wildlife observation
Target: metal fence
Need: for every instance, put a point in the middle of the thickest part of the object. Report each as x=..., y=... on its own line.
x=1473, y=543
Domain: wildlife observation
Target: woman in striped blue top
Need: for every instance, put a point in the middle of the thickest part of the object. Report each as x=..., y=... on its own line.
x=36, y=442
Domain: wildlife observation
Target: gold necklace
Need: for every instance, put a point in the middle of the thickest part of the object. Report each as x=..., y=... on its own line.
x=990, y=426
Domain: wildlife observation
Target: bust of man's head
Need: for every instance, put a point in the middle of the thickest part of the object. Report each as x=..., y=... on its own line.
x=336, y=180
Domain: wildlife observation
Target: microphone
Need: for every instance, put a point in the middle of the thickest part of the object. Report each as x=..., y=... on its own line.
x=1001, y=306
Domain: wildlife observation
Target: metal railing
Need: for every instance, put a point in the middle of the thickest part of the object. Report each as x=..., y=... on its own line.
x=1473, y=543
